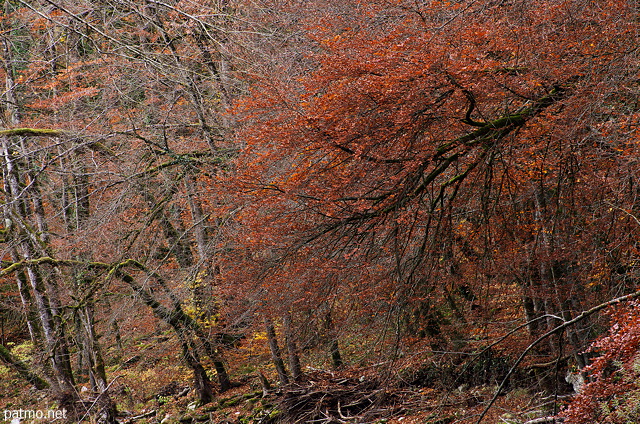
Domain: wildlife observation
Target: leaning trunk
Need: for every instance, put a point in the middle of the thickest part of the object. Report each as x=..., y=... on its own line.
x=276, y=356
x=22, y=369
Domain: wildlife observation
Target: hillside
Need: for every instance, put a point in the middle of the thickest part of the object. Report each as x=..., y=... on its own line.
x=320, y=211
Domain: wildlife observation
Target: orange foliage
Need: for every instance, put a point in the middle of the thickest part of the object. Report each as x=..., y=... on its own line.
x=425, y=160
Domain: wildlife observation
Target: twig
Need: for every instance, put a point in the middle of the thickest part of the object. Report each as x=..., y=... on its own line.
x=98, y=398
x=549, y=333
x=545, y=420
x=141, y=416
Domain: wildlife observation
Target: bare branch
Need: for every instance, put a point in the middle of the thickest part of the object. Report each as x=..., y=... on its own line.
x=549, y=333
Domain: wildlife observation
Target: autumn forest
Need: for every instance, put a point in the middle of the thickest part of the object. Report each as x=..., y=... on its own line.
x=320, y=211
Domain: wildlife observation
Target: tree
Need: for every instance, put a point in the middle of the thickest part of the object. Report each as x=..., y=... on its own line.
x=115, y=126
x=396, y=177
x=431, y=159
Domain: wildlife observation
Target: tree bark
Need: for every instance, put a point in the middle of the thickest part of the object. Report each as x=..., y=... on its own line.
x=183, y=325
x=200, y=377
x=62, y=383
x=276, y=356
x=292, y=349
x=23, y=369
x=334, y=348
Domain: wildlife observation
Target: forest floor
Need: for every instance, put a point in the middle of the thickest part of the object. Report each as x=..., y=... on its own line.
x=153, y=386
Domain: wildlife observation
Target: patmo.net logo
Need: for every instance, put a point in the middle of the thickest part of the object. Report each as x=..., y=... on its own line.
x=26, y=416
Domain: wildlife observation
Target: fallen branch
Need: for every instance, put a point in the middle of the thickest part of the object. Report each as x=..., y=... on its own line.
x=545, y=420
x=141, y=416
x=323, y=399
x=561, y=327
x=32, y=132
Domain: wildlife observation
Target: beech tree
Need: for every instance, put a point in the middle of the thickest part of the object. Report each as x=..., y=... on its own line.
x=445, y=169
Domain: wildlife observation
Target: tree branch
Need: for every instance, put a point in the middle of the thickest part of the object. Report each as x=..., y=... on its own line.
x=561, y=327
x=32, y=132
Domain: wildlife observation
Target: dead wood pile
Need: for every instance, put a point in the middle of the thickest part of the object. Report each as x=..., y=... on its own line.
x=329, y=399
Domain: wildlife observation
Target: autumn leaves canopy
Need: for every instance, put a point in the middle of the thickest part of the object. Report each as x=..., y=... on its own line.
x=371, y=177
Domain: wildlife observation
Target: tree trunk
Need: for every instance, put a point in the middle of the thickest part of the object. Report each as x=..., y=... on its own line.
x=201, y=230
x=292, y=349
x=334, y=349
x=28, y=241
x=62, y=383
x=183, y=325
x=90, y=349
x=22, y=369
x=276, y=356
x=200, y=377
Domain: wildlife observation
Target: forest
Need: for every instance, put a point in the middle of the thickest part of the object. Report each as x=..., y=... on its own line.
x=320, y=211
